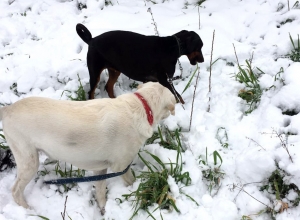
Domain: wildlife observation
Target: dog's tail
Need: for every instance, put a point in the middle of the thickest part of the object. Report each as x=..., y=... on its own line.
x=83, y=33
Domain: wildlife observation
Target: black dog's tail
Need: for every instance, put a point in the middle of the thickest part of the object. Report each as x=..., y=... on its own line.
x=83, y=33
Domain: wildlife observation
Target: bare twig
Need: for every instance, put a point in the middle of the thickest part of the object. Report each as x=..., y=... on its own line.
x=209, y=91
x=242, y=186
x=194, y=99
x=288, y=5
x=154, y=23
x=64, y=213
x=255, y=143
x=199, y=15
x=242, y=189
x=284, y=144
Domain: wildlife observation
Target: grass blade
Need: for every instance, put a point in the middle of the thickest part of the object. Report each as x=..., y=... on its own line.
x=189, y=82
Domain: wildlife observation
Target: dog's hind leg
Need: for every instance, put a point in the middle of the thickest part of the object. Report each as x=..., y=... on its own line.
x=27, y=166
x=113, y=77
x=95, y=68
x=101, y=191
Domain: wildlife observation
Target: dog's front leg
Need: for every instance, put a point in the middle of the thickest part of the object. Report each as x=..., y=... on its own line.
x=128, y=177
x=163, y=81
x=101, y=191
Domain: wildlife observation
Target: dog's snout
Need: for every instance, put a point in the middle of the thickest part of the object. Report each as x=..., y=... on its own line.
x=201, y=59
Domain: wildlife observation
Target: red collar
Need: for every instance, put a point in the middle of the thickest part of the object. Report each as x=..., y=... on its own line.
x=146, y=107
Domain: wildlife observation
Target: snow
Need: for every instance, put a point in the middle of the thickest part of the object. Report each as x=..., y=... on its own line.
x=42, y=54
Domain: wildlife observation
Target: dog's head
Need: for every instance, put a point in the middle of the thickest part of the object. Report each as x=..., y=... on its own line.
x=159, y=98
x=192, y=45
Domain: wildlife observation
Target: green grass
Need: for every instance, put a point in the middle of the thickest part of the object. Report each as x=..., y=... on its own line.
x=62, y=170
x=154, y=187
x=133, y=85
x=6, y=156
x=80, y=93
x=279, y=186
x=3, y=144
x=252, y=91
x=166, y=138
x=199, y=3
x=40, y=216
x=189, y=82
x=211, y=172
x=294, y=55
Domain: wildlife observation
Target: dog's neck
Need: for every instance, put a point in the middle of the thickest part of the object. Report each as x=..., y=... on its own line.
x=180, y=46
x=146, y=107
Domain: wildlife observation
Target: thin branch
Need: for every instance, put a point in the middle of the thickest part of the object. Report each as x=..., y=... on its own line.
x=255, y=142
x=199, y=15
x=64, y=214
x=209, y=91
x=242, y=189
x=194, y=99
x=154, y=23
x=284, y=144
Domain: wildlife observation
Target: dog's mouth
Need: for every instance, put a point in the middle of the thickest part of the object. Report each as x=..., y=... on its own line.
x=195, y=57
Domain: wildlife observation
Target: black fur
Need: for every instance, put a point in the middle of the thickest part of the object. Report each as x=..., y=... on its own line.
x=142, y=58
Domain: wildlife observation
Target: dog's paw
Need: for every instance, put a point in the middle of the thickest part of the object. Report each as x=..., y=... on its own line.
x=102, y=211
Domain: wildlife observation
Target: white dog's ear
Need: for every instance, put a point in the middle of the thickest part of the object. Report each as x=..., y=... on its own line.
x=171, y=108
x=171, y=104
x=140, y=86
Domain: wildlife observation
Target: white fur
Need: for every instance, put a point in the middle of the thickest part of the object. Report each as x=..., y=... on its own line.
x=92, y=135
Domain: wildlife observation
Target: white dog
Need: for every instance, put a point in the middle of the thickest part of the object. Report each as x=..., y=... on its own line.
x=92, y=135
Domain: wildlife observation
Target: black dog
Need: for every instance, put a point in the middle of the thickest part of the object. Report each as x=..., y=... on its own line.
x=142, y=58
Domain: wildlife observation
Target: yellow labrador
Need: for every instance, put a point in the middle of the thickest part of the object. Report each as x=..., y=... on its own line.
x=92, y=135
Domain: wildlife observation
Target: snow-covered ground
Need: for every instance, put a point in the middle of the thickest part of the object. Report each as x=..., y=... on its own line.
x=41, y=55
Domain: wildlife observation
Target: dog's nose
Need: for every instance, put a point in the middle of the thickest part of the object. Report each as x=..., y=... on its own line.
x=201, y=59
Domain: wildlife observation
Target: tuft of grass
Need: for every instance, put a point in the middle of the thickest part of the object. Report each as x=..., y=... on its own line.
x=289, y=20
x=166, y=138
x=81, y=6
x=295, y=53
x=63, y=171
x=133, y=85
x=3, y=144
x=154, y=187
x=296, y=5
x=222, y=137
x=6, y=156
x=14, y=88
x=199, y=3
x=252, y=91
x=80, y=93
x=278, y=187
x=212, y=173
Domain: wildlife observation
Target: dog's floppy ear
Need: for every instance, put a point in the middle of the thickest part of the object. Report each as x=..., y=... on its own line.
x=171, y=104
x=140, y=86
x=171, y=108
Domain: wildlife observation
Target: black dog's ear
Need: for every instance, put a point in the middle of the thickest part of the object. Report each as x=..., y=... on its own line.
x=193, y=42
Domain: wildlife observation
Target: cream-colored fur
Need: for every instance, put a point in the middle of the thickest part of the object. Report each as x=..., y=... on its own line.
x=92, y=135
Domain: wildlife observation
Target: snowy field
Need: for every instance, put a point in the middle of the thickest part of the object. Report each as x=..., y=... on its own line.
x=41, y=55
